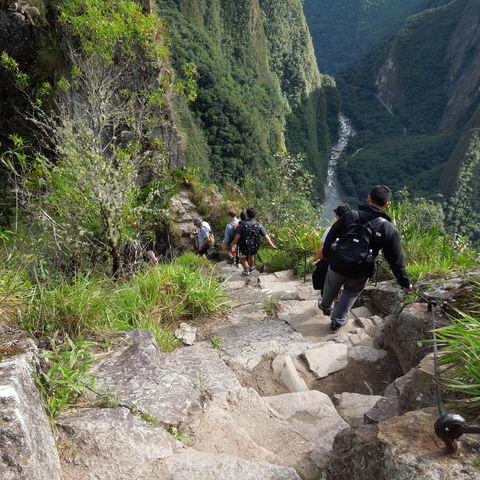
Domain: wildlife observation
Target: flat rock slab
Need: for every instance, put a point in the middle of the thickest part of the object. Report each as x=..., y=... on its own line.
x=191, y=465
x=246, y=344
x=136, y=374
x=27, y=446
x=249, y=295
x=284, y=368
x=328, y=358
x=250, y=429
x=366, y=354
x=203, y=365
x=112, y=444
x=353, y=406
x=313, y=415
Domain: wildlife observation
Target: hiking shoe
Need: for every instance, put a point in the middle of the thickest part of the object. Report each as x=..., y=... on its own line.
x=252, y=268
x=327, y=311
x=245, y=274
x=334, y=326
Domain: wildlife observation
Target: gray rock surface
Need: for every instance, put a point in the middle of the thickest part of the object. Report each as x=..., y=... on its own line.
x=353, y=406
x=135, y=372
x=186, y=333
x=408, y=334
x=246, y=344
x=328, y=358
x=366, y=354
x=284, y=367
x=27, y=446
x=248, y=428
x=313, y=415
x=112, y=444
x=402, y=448
x=387, y=298
x=192, y=465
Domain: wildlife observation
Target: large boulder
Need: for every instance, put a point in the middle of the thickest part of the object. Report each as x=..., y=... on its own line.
x=408, y=334
x=353, y=406
x=27, y=446
x=385, y=297
x=112, y=444
x=402, y=448
x=327, y=358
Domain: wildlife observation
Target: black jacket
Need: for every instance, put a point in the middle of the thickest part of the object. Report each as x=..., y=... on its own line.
x=388, y=242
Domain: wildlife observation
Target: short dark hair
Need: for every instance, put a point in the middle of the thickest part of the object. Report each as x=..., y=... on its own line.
x=196, y=221
x=251, y=213
x=341, y=209
x=380, y=195
x=232, y=213
x=243, y=216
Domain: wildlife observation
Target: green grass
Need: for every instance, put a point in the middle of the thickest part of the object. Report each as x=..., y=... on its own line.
x=156, y=299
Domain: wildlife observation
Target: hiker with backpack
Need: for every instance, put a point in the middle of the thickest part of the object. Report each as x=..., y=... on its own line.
x=204, y=235
x=230, y=229
x=247, y=236
x=351, y=246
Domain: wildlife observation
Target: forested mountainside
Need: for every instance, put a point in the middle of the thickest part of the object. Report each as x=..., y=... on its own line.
x=344, y=30
x=414, y=102
x=258, y=85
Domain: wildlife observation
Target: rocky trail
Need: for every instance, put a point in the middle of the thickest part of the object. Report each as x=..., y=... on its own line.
x=267, y=393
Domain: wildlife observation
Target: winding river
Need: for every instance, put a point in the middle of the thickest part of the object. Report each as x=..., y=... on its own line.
x=333, y=190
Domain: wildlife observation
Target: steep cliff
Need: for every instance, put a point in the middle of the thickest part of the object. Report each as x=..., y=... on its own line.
x=259, y=88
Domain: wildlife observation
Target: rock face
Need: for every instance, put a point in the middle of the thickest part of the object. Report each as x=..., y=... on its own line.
x=112, y=444
x=406, y=334
x=27, y=446
x=403, y=448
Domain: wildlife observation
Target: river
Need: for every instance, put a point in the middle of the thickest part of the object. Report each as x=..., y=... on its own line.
x=333, y=190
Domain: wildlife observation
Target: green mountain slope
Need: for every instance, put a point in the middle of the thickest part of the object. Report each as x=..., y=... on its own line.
x=259, y=88
x=344, y=30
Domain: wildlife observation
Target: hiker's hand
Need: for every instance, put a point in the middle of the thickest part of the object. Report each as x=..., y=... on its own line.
x=274, y=247
x=311, y=260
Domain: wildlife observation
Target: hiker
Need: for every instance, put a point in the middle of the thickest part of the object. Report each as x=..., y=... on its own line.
x=204, y=235
x=151, y=257
x=351, y=247
x=320, y=272
x=247, y=237
x=230, y=229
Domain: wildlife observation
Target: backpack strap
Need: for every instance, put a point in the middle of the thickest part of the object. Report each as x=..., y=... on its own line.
x=375, y=225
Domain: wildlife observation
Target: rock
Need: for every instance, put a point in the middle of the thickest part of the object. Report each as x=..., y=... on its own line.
x=366, y=354
x=246, y=344
x=112, y=444
x=386, y=408
x=378, y=322
x=285, y=275
x=402, y=448
x=313, y=414
x=248, y=428
x=353, y=406
x=186, y=333
x=406, y=334
x=363, y=311
x=203, y=365
x=385, y=297
x=368, y=325
x=192, y=465
x=329, y=358
x=283, y=366
x=27, y=446
x=135, y=373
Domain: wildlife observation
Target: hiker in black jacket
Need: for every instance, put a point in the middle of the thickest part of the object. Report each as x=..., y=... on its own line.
x=348, y=271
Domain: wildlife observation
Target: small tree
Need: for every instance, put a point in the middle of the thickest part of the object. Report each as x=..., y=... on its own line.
x=98, y=131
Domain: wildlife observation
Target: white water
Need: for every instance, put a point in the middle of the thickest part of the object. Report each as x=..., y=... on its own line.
x=333, y=190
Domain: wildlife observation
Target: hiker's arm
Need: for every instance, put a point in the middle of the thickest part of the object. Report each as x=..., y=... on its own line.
x=317, y=256
x=393, y=253
x=269, y=241
x=236, y=239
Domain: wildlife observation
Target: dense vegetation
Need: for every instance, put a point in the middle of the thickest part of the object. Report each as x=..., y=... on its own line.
x=344, y=30
x=258, y=86
x=403, y=145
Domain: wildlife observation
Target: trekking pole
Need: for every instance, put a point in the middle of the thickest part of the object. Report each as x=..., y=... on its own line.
x=305, y=266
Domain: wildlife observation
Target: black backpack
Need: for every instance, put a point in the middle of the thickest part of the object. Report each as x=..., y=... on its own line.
x=356, y=246
x=250, y=239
